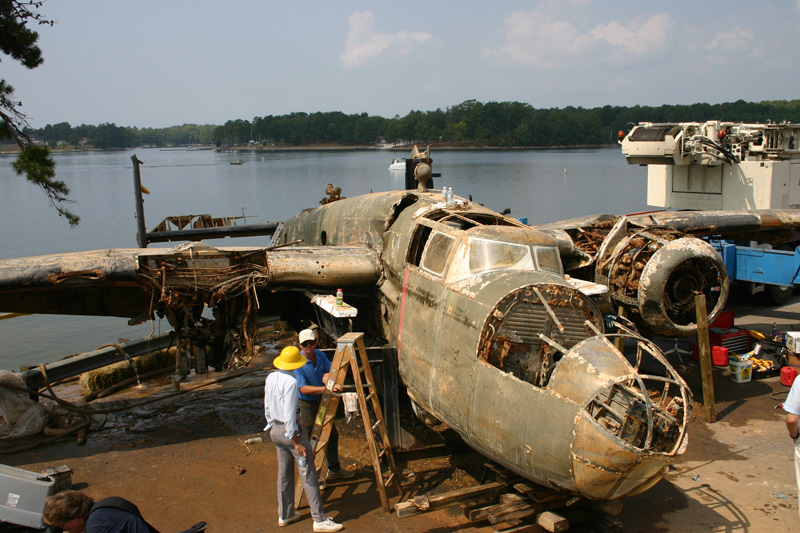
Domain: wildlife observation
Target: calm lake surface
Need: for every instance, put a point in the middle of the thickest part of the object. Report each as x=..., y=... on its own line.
x=542, y=185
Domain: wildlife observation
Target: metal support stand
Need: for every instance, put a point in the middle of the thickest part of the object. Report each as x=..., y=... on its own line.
x=677, y=351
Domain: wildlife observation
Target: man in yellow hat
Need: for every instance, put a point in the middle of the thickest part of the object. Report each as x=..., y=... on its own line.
x=280, y=408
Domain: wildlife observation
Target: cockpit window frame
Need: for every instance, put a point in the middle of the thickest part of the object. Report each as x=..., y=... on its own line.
x=460, y=264
x=435, y=256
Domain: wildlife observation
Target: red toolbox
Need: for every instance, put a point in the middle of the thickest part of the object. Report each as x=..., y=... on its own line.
x=736, y=341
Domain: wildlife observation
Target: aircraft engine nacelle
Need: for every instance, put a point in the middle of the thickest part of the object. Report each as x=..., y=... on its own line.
x=656, y=273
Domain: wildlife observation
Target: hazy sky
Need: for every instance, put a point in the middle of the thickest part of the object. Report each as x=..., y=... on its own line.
x=160, y=63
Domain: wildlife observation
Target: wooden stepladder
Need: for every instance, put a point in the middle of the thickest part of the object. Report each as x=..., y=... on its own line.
x=352, y=355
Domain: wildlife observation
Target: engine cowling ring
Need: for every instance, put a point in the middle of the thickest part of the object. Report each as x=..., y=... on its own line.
x=670, y=280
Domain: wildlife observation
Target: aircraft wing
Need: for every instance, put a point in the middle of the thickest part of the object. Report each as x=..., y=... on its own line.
x=724, y=223
x=134, y=283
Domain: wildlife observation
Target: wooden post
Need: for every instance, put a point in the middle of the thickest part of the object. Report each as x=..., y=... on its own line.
x=141, y=232
x=620, y=341
x=704, y=355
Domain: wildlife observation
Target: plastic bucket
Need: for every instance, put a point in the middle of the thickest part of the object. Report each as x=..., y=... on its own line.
x=741, y=371
x=719, y=356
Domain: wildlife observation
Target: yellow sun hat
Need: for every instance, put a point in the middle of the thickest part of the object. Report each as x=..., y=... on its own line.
x=289, y=359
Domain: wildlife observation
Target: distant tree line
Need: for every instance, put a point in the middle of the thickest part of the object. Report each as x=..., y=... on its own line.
x=470, y=123
x=109, y=136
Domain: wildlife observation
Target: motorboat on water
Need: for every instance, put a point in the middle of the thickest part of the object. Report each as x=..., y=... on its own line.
x=398, y=163
x=237, y=162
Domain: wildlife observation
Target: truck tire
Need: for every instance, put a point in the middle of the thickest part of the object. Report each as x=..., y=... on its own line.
x=780, y=294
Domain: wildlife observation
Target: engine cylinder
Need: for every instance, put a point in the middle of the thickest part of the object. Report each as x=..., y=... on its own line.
x=658, y=273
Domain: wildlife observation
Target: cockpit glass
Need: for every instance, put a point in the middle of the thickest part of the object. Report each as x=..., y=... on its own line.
x=475, y=256
x=436, y=251
x=492, y=255
x=548, y=259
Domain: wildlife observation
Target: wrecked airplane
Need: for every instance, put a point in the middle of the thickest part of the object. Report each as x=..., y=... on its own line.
x=491, y=337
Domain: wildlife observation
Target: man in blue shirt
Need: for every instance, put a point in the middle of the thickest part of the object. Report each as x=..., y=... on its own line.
x=311, y=379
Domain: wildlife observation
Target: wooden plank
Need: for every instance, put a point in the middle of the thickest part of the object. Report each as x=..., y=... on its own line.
x=552, y=522
x=511, y=511
x=476, y=513
x=522, y=527
x=539, y=493
x=449, y=499
x=510, y=498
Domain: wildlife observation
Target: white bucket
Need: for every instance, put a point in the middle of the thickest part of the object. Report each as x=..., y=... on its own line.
x=741, y=371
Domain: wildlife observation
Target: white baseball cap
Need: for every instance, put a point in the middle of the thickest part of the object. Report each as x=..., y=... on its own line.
x=307, y=335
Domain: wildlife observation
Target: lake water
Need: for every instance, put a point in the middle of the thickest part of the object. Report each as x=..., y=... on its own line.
x=542, y=185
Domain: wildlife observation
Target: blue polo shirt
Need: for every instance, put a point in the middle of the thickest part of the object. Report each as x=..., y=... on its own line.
x=311, y=374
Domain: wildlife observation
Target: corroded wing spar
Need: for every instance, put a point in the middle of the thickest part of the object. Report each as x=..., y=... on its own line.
x=653, y=264
x=178, y=283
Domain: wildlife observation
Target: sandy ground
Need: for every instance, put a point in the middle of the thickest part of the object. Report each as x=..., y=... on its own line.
x=184, y=460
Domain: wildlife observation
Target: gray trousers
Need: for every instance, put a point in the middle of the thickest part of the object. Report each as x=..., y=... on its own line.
x=286, y=461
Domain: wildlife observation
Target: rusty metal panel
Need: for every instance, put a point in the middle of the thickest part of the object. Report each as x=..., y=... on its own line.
x=577, y=378
x=525, y=428
x=325, y=266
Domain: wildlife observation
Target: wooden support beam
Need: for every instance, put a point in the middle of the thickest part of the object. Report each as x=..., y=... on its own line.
x=449, y=499
x=704, y=355
x=552, y=522
x=619, y=342
x=510, y=511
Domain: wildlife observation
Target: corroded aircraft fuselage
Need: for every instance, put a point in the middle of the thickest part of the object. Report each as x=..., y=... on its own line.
x=496, y=342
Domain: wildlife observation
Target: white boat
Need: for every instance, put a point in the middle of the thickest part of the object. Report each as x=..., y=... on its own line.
x=398, y=163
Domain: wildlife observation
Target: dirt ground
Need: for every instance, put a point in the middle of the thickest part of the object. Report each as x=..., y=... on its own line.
x=183, y=459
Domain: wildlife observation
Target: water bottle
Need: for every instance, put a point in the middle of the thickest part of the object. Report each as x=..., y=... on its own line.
x=774, y=330
x=339, y=297
x=254, y=440
x=444, y=194
x=302, y=465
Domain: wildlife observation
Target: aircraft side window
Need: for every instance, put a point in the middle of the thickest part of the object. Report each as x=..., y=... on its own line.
x=417, y=245
x=435, y=258
x=548, y=259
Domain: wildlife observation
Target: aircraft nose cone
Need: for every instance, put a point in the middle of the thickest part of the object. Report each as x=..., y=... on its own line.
x=604, y=468
x=630, y=424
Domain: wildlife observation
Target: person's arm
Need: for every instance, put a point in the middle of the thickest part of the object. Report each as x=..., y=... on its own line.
x=793, y=425
x=299, y=448
x=312, y=390
x=792, y=408
x=266, y=409
x=316, y=390
x=291, y=429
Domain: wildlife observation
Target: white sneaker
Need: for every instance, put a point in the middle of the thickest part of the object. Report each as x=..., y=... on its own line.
x=292, y=520
x=327, y=525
